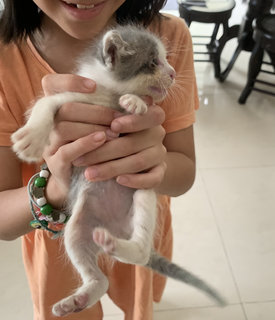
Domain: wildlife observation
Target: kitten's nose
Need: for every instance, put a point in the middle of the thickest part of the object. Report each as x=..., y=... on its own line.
x=172, y=74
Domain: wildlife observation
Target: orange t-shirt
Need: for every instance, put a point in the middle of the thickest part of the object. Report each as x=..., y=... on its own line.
x=51, y=276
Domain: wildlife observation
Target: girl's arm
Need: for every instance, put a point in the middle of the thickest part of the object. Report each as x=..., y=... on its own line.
x=15, y=213
x=180, y=161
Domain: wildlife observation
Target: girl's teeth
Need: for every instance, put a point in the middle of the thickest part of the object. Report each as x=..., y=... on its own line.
x=81, y=6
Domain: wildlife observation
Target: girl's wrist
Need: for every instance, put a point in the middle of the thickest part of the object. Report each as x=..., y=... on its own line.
x=45, y=215
x=54, y=194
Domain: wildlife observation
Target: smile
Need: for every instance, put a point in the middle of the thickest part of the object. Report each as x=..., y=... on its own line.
x=80, y=6
x=81, y=10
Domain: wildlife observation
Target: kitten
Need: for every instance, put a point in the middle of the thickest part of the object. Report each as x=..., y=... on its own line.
x=126, y=63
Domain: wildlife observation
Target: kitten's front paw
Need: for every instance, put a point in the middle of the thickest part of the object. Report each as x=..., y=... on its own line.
x=133, y=104
x=105, y=240
x=29, y=143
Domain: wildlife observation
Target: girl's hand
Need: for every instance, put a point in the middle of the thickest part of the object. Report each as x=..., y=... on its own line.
x=56, y=83
x=137, y=159
x=79, y=129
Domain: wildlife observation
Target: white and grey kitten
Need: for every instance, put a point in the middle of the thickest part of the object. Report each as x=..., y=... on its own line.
x=126, y=63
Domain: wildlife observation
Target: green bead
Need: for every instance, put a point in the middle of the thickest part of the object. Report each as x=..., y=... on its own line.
x=46, y=210
x=40, y=182
x=35, y=224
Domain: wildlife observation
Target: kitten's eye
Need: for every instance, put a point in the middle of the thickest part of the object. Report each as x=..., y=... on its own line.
x=154, y=63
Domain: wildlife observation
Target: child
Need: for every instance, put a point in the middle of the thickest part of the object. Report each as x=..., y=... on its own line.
x=41, y=40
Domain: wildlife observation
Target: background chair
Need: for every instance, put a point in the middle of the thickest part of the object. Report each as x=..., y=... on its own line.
x=256, y=9
x=264, y=37
x=217, y=13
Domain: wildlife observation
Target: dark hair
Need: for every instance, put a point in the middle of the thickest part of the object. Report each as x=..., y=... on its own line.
x=21, y=18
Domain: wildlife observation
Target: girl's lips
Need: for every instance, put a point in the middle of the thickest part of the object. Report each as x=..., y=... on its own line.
x=83, y=13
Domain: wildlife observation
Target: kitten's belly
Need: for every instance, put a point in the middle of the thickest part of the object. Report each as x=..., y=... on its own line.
x=106, y=204
x=109, y=200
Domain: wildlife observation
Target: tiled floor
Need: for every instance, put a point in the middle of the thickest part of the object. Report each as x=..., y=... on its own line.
x=224, y=227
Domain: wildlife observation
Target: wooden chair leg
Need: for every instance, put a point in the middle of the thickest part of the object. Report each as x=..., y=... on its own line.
x=254, y=68
x=272, y=58
x=229, y=33
x=213, y=50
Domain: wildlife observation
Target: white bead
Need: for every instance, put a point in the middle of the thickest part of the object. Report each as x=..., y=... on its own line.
x=62, y=218
x=44, y=173
x=41, y=201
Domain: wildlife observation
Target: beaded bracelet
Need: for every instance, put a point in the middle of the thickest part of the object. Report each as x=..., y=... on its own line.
x=45, y=216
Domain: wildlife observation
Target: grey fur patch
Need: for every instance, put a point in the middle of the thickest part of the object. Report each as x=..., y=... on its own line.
x=143, y=52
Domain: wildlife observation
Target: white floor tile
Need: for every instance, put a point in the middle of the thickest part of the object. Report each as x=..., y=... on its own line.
x=109, y=308
x=228, y=134
x=113, y=317
x=15, y=300
x=243, y=202
x=198, y=248
x=260, y=311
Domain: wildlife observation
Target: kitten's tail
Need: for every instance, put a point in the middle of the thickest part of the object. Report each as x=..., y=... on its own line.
x=171, y=270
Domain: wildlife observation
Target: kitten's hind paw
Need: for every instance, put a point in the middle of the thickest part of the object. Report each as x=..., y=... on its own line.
x=85, y=297
x=28, y=143
x=133, y=104
x=105, y=240
x=74, y=303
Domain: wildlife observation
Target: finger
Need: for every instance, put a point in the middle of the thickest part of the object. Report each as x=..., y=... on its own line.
x=67, y=153
x=55, y=83
x=134, y=122
x=66, y=132
x=86, y=113
x=139, y=162
x=148, y=180
x=122, y=147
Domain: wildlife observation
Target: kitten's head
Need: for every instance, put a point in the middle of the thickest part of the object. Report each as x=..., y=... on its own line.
x=137, y=60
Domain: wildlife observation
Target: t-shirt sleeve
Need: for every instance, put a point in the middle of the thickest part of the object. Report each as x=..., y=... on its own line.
x=8, y=122
x=182, y=101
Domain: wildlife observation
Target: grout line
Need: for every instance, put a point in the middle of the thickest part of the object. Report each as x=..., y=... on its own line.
x=223, y=243
x=261, y=301
x=237, y=167
x=196, y=307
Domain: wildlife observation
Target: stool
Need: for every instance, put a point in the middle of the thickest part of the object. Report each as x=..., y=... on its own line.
x=217, y=13
x=264, y=37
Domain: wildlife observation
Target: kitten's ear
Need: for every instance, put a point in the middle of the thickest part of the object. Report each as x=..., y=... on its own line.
x=114, y=47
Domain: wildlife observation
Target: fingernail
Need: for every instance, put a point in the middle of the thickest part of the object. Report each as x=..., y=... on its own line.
x=122, y=180
x=89, y=84
x=98, y=136
x=111, y=134
x=91, y=173
x=116, y=126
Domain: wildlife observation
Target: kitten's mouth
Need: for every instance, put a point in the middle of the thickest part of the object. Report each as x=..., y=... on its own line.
x=158, y=90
